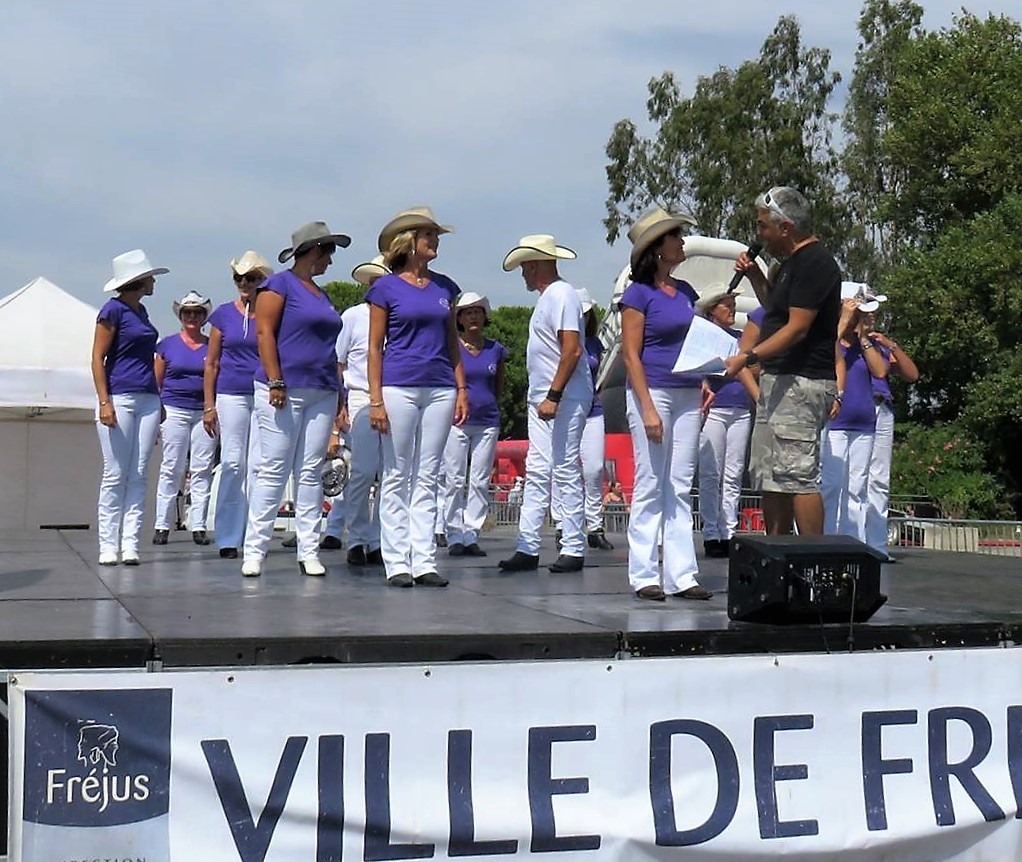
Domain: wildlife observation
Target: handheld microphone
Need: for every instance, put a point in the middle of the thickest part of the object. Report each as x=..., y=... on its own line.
x=753, y=252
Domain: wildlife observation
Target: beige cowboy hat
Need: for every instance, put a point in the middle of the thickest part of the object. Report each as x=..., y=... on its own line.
x=367, y=273
x=651, y=226
x=868, y=300
x=192, y=299
x=473, y=300
x=129, y=267
x=308, y=235
x=251, y=261
x=409, y=219
x=539, y=246
x=714, y=294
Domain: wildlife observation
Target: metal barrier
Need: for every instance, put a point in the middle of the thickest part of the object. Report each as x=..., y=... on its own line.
x=994, y=538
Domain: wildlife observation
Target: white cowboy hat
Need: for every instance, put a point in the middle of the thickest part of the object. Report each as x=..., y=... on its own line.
x=869, y=301
x=192, y=300
x=409, y=219
x=473, y=300
x=251, y=261
x=585, y=299
x=651, y=226
x=367, y=273
x=129, y=267
x=714, y=293
x=539, y=246
x=308, y=235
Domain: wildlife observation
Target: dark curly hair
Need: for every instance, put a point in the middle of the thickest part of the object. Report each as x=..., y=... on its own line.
x=644, y=269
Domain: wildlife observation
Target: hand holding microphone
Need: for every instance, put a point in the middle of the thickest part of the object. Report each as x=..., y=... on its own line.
x=745, y=264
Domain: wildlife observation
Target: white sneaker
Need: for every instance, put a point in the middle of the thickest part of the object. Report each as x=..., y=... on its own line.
x=108, y=558
x=312, y=567
x=252, y=568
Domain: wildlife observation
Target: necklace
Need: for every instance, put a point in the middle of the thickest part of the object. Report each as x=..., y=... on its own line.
x=472, y=348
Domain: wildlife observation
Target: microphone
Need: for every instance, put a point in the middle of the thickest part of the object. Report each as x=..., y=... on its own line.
x=753, y=252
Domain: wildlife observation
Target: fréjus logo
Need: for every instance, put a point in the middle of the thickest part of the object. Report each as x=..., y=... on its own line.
x=97, y=758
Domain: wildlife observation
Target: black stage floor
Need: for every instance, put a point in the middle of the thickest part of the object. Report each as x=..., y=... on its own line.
x=186, y=607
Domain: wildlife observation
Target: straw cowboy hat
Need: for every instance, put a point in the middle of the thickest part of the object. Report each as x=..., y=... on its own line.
x=473, y=300
x=192, y=300
x=251, y=261
x=539, y=246
x=308, y=235
x=129, y=267
x=713, y=294
x=869, y=301
x=409, y=219
x=367, y=273
x=651, y=226
x=585, y=299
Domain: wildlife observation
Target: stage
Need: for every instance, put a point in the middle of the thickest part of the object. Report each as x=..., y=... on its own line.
x=185, y=607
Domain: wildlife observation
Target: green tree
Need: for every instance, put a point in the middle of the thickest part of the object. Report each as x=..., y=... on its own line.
x=509, y=325
x=344, y=294
x=743, y=130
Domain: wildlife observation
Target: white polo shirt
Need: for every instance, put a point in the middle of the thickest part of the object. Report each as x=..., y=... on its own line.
x=353, y=347
x=557, y=310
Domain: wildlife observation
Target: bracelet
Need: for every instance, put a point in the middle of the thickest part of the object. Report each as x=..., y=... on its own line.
x=103, y=403
x=209, y=410
x=276, y=383
x=555, y=395
x=838, y=396
x=375, y=403
x=463, y=389
x=335, y=433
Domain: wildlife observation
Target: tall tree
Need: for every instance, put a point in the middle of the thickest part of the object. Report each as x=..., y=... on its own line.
x=743, y=130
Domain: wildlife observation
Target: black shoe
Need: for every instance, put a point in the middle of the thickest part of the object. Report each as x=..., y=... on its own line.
x=290, y=542
x=441, y=540
x=374, y=557
x=402, y=580
x=598, y=540
x=199, y=537
x=653, y=593
x=228, y=553
x=330, y=543
x=456, y=550
x=430, y=579
x=696, y=592
x=519, y=562
x=160, y=537
x=564, y=563
x=474, y=550
x=357, y=555
x=716, y=548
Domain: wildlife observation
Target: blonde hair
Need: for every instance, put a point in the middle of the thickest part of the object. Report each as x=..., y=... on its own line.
x=400, y=251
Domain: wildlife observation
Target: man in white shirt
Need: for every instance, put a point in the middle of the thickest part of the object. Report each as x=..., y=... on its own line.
x=560, y=397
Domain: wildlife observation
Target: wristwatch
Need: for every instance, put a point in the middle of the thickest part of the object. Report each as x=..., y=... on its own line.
x=751, y=359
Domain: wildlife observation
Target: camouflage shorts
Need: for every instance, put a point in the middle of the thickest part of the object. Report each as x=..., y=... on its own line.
x=790, y=415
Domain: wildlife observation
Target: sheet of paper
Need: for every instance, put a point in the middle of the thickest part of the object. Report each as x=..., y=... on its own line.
x=705, y=348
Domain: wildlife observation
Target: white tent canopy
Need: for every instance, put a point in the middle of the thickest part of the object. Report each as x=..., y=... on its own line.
x=46, y=350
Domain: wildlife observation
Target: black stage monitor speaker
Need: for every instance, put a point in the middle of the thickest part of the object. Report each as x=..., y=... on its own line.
x=803, y=579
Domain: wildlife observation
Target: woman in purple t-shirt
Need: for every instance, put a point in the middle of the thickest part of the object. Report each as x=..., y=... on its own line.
x=725, y=435
x=664, y=411
x=296, y=395
x=128, y=416
x=228, y=410
x=416, y=389
x=180, y=363
x=474, y=443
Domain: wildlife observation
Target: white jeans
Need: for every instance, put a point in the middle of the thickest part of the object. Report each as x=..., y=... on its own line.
x=553, y=462
x=420, y=420
x=879, y=492
x=239, y=457
x=292, y=439
x=335, y=518
x=591, y=455
x=722, y=446
x=470, y=449
x=662, y=496
x=126, y=450
x=185, y=444
x=844, y=476
x=366, y=463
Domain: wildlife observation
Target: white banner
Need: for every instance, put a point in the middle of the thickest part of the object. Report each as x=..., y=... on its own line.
x=882, y=756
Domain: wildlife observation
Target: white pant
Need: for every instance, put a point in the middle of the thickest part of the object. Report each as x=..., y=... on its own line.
x=879, y=492
x=292, y=439
x=420, y=419
x=844, y=475
x=465, y=511
x=335, y=518
x=185, y=444
x=591, y=455
x=126, y=449
x=366, y=463
x=662, y=496
x=553, y=462
x=722, y=446
x=239, y=457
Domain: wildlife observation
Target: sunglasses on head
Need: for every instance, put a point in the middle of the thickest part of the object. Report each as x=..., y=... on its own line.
x=773, y=206
x=249, y=278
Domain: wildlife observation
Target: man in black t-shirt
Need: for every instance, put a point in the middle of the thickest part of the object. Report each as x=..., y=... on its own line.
x=798, y=388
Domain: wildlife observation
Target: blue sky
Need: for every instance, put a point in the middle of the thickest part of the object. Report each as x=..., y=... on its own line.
x=197, y=129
